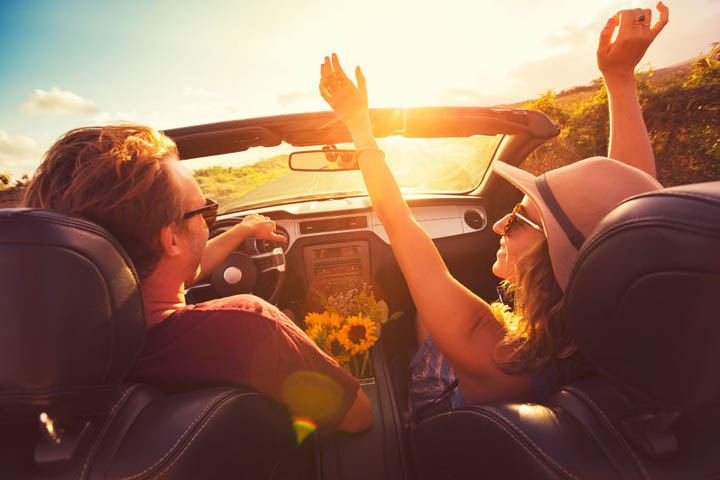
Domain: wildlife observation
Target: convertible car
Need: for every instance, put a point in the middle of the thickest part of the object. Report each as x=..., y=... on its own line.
x=640, y=303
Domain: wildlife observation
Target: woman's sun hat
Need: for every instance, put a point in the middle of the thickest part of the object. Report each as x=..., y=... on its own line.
x=573, y=199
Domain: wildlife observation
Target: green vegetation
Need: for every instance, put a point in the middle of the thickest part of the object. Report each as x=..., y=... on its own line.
x=681, y=108
x=224, y=184
x=7, y=182
x=11, y=190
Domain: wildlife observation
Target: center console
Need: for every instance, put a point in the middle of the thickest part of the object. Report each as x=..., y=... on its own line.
x=337, y=267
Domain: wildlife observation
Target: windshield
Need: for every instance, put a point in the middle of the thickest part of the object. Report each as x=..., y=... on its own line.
x=260, y=176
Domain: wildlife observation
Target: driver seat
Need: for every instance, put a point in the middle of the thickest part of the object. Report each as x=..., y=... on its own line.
x=642, y=305
x=72, y=324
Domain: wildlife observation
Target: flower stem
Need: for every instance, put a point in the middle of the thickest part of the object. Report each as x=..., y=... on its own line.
x=364, y=364
x=354, y=362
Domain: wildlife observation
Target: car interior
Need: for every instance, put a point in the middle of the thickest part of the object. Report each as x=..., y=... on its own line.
x=639, y=305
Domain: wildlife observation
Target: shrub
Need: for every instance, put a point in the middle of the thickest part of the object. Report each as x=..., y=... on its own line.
x=681, y=112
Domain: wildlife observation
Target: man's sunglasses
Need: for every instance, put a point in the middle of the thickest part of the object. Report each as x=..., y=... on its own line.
x=208, y=212
x=515, y=214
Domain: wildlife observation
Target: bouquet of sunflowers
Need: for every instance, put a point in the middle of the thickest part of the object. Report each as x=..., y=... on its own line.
x=349, y=326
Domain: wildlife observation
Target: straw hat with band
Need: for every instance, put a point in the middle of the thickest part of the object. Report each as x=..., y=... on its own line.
x=573, y=199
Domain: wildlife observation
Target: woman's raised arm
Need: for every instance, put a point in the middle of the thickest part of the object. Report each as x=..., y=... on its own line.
x=629, y=141
x=460, y=322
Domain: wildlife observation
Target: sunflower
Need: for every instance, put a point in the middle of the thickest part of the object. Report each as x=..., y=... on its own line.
x=358, y=334
x=325, y=319
x=314, y=318
x=335, y=349
x=315, y=332
x=322, y=329
x=334, y=321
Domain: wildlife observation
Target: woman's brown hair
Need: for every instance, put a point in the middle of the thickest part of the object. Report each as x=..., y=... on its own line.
x=536, y=332
x=116, y=176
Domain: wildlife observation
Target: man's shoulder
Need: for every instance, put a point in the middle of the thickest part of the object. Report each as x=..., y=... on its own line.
x=244, y=315
x=248, y=303
x=238, y=304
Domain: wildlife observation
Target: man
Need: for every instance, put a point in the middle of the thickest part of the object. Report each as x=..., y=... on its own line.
x=129, y=180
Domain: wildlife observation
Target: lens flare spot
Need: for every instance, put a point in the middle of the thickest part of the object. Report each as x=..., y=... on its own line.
x=303, y=427
x=312, y=395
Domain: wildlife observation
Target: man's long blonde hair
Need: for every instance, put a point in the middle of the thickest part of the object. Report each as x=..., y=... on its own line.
x=118, y=177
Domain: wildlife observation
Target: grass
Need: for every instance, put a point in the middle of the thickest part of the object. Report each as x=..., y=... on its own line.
x=223, y=184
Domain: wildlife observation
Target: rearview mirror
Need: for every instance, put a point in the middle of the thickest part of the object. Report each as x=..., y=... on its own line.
x=327, y=159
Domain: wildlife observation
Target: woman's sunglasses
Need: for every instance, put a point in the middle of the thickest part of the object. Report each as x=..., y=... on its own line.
x=208, y=212
x=515, y=214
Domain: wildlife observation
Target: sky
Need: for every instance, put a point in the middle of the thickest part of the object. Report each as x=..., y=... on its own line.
x=67, y=64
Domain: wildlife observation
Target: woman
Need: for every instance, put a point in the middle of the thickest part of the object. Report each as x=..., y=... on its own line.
x=516, y=358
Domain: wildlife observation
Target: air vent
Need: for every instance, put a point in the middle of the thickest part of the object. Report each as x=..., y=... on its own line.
x=333, y=224
x=475, y=219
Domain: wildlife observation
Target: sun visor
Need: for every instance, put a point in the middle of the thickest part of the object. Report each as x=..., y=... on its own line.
x=318, y=128
x=204, y=144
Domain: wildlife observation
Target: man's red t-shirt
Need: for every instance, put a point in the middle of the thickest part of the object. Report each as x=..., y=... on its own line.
x=243, y=340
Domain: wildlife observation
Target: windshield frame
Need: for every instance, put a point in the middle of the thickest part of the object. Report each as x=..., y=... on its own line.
x=516, y=127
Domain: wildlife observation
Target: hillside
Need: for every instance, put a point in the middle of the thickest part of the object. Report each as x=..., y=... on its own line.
x=681, y=107
x=223, y=184
x=660, y=78
x=11, y=197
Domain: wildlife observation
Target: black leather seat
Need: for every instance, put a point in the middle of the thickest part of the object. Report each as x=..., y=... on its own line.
x=72, y=323
x=643, y=303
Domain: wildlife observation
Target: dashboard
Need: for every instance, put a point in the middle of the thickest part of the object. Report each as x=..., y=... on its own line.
x=308, y=219
x=334, y=245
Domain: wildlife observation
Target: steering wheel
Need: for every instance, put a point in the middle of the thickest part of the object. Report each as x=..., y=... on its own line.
x=255, y=266
x=243, y=273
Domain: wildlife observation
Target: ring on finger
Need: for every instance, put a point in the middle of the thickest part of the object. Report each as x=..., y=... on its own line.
x=640, y=19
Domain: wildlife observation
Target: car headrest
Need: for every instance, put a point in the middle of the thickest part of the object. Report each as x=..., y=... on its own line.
x=70, y=310
x=644, y=295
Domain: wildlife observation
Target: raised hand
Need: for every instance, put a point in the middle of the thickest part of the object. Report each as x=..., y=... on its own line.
x=635, y=34
x=347, y=100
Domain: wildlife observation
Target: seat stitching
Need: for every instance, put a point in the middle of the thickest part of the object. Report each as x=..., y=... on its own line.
x=696, y=224
x=180, y=438
x=612, y=428
x=108, y=422
x=532, y=454
x=678, y=194
x=274, y=469
x=54, y=392
x=197, y=419
x=187, y=445
x=529, y=440
x=80, y=224
x=589, y=431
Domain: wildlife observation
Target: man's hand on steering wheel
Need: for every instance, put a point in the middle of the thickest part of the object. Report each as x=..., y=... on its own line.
x=262, y=228
x=219, y=247
x=233, y=272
